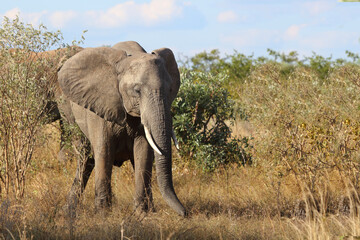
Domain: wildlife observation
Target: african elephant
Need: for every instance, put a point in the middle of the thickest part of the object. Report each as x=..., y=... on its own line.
x=120, y=98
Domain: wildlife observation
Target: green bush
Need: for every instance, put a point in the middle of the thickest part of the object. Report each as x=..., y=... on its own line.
x=202, y=112
x=27, y=80
x=238, y=66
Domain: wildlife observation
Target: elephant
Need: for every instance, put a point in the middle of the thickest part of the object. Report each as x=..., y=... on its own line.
x=120, y=97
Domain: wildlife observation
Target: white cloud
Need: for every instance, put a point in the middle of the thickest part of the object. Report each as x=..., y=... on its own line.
x=12, y=13
x=133, y=13
x=126, y=13
x=318, y=7
x=227, y=16
x=32, y=18
x=115, y=16
x=293, y=31
x=60, y=18
x=187, y=3
x=158, y=10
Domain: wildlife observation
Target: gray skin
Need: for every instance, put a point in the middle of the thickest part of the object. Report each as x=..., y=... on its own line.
x=112, y=93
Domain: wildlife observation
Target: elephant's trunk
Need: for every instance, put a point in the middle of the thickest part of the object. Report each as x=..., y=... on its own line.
x=160, y=128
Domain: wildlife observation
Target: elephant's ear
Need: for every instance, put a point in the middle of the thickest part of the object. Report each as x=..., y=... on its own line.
x=171, y=67
x=66, y=53
x=89, y=79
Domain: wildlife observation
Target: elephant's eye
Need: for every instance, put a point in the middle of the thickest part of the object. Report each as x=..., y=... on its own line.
x=137, y=90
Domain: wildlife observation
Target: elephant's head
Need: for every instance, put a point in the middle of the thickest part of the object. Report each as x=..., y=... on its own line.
x=115, y=83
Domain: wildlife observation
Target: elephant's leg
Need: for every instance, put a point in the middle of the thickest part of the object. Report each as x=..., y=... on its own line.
x=85, y=165
x=103, y=169
x=143, y=161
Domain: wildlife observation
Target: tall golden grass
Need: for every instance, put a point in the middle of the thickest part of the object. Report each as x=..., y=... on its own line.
x=303, y=183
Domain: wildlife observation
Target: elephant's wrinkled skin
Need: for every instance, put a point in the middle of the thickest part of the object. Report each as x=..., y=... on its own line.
x=112, y=94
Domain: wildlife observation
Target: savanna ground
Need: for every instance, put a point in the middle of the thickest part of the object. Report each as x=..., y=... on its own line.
x=233, y=203
x=289, y=170
x=302, y=183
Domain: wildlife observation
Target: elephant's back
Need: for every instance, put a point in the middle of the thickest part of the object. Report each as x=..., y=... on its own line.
x=130, y=47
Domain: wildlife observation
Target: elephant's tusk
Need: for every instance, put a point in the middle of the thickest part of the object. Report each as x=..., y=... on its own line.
x=151, y=141
x=175, y=140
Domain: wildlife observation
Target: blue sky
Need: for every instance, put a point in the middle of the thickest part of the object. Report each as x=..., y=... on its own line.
x=327, y=27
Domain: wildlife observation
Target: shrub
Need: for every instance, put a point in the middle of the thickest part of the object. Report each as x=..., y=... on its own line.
x=203, y=110
x=238, y=66
x=206, y=62
x=304, y=125
x=27, y=79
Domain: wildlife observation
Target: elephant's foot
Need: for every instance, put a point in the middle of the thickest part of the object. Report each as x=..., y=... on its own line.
x=103, y=211
x=144, y=205
x=141, y=212
x=103, y=203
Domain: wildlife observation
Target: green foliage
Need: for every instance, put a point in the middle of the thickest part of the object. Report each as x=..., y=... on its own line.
x=27, y=80
x=206, y=62
x=70, y=133
x=235, y=66
x=238, y=66
x=74, y=142
x=291, y=58
x=202, y=112
x=17, y=35
x=354, y=56
x=321, y=65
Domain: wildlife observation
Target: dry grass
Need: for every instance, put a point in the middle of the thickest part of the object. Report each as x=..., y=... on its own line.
x=304, y=183
x=234, y=203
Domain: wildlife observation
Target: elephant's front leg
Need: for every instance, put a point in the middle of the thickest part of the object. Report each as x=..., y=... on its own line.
x=143, y=161
x=103, y=169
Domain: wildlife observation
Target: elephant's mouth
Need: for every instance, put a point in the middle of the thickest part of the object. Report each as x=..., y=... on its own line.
x=133, y=111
